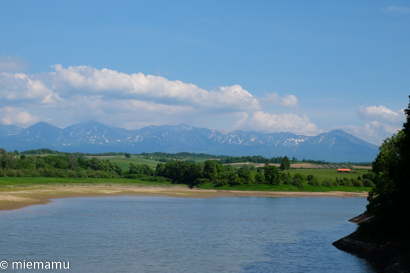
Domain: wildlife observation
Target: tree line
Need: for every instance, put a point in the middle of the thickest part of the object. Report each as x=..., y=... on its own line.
x=44, y=151
x=184, y=172
x=211, y=171
x=57, y=165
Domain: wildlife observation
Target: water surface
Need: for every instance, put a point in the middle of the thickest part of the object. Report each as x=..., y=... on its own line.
x=286, y=234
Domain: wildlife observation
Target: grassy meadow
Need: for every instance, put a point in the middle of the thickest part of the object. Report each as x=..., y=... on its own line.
x=11, y=182
x=124, y=162
x=323, y=174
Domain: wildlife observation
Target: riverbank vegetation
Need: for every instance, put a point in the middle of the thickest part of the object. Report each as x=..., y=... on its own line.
x=389, y=199
x=208, y=174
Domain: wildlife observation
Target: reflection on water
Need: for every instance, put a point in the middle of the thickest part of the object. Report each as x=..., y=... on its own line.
x=286, y=234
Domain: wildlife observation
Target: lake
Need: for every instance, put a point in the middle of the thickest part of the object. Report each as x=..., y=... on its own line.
x=253, y=234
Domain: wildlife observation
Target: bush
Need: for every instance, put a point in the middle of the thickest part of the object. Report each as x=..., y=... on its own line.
x=11, y=173
x=259, y=178
x=199, y=181
x=72, y=174
x=300, y=176
x=370, y=175
x=113, y=174
x=159, y=179
x=20, y=173
x=34, y=173
x=229, y=168
x=347, y=182
x=297, y=182
x=329, y=183
x=287, y=178
x=367, y=182
x=312, y=180
x=47, y=173
x=27, y=172
x=357, y=183
x=82, y=174
x=314, y=183
x=222, y=182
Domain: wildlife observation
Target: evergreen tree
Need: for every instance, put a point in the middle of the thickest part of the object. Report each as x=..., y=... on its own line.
x=285, y=164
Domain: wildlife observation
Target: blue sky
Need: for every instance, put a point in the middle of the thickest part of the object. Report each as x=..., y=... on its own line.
x=270, y=66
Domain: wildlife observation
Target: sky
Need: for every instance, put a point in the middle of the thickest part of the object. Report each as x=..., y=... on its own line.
x=304, y=67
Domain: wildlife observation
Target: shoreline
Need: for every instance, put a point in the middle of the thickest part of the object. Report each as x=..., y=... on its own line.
x=19, y=197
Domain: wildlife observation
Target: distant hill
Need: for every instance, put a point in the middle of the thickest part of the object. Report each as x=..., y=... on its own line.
x=94, y=137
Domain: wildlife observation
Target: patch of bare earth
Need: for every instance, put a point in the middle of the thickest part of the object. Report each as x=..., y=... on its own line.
x=21, y=197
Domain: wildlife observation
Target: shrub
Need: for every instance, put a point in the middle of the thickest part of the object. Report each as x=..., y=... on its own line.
x=20, y=173
x=347, y=182
x=47, y=173
x=159, y=179
x=232, y=178
x=370, y=175
x=357, y=183
x=222, y=182
x=82, y=174
x=199, y=181
x=312, y=180
x=259, y=178
x=329, y=183
x=367, y=182
x=287, y=178
x=60, y=173
x=11, y=173
x=300, y=176
x=314, y=183
x=297, y=182
x=72, y=174
x=34, y=173
x=113, y=174
x=235, y=181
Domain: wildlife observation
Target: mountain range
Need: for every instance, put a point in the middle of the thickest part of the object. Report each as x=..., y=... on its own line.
x=94, y=137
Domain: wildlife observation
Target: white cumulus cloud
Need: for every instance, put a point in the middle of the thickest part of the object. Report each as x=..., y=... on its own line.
x=381, y=113
x=15, y=116
x=269, y=123
x=87, y=79
x=12, y=64
x=18, y=87
x=79, y=93
x=275, y=99
x=381, y=122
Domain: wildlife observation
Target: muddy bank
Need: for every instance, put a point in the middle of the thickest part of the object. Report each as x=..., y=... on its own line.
x=18, y=197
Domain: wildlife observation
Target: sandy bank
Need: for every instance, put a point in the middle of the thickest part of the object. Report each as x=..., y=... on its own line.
x=18, y=197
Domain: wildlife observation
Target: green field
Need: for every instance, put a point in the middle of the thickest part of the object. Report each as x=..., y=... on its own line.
x=323, y=174
x=124, y=162
x=7, y=182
